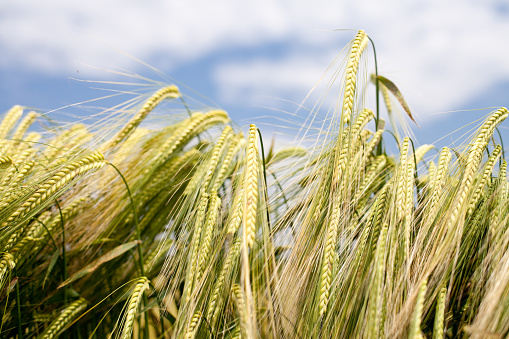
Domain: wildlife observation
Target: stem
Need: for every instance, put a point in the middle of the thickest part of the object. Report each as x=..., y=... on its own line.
x=18, y=304
x=140, y=251
x=415, y=173
x=264, y=177
x=64, y=261
x=49, y=234
x=379, y=147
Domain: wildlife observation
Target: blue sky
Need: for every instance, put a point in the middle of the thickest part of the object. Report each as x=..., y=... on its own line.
x=256, y=59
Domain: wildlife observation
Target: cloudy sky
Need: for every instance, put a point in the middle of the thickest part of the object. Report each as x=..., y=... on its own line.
x=253, y=58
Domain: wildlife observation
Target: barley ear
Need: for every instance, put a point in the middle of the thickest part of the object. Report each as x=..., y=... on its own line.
x=438, y=327
x=240, y=302
x=193, y=326
x=415, y=323
x=9, y=120
x=171, y=91
x=64, y=319
x=251, y=187
x=358, y=46
x=132, y=307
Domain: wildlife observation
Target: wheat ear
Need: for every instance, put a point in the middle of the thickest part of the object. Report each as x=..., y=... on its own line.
x=164, y=93
x=22, y=128
x=193, y=326
x=415, y=322
x=216, y=155
x=6, y=262
x=409, y=202
x=5, y=162
x=64, y=319
x=192, y=126
x=235, y=218
x=372, y=144
x=358, y=46
x=438, y=327
x=209, y=167
x=437, y=185
x=195, y=242
x=55, y=183
x=213, y=309
x=251, y=187
x=240, y=302
x=473, y=160
x=502, y=203
x=288, y=152
x=132, y=307
x=402, y=173
x=237, y=143
x=328, y=262
x=376, y=289
x=421, y=152
x=208, y=232
x=486, y=173
x=10, y=119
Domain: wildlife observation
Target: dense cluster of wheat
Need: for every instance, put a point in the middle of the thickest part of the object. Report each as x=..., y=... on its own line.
x=192, y=231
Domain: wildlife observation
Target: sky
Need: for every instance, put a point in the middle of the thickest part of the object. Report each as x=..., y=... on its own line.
x=257, y=60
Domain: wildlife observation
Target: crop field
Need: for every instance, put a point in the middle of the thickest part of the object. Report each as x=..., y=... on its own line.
x=151, y=219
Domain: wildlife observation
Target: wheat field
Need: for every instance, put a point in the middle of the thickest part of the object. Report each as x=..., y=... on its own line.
x=118, y=228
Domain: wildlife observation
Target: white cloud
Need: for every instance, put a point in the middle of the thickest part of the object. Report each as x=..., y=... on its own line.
x=439, y=53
